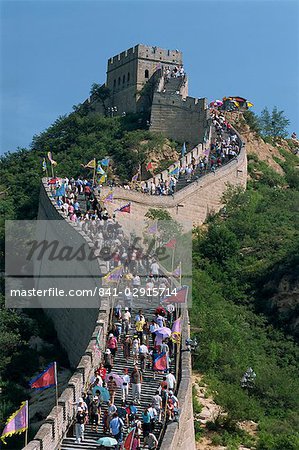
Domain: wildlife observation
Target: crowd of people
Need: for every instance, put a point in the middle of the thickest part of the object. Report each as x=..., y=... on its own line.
x=173, y=72
x=136, y=338
x=225, y=146
x=114, y=400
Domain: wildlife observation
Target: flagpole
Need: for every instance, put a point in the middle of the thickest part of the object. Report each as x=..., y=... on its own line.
x=27, y=422
x=172, y=260
x=180, y=273
x=94, y=171
x=56, y=384
x=131, y=444
x=178, y=359
x=52, y=169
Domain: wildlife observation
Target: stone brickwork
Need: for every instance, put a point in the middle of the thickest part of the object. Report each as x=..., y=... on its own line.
x=73, y=337
x=180, y=436
x=78, y=338
x=179, y=118
x=61, y=417
x=130, y=70
x=192, y=203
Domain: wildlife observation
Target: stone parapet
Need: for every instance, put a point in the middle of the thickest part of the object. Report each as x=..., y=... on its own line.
x=193, y=203
x=82, y=349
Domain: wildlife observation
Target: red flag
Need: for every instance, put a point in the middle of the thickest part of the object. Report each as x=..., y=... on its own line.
x=170, y=244
x=129, y=440
x=160, y=362
x=180, y=296
x=149, y=166
x=45, y=379
x=126, y=208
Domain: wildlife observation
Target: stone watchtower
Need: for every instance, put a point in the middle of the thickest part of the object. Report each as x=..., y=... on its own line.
x=129, y=71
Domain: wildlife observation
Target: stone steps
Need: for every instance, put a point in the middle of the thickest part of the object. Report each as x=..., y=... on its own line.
x=149, y=387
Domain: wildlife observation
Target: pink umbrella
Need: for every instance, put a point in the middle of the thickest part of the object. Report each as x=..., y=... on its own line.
x=163, y=331
x=118, y=380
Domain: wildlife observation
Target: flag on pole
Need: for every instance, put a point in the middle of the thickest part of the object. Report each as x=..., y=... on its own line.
x=90, y=165
x=153, y=229
x=105, y=162
x=44, y=165
x=53, y=163
x=45, y=379
x=115, y=274
x=135, y=177
x=17, y=423
x=102, y=179
x=126, y=208
x=109, y=197
x=184, y=149
x=100, y=170
x=177, y=272
x=160, y=362
x=149, y=166
x=174, y=171
x=129, y=440
x=176, y=331
x=180, y=296
x=170, y=244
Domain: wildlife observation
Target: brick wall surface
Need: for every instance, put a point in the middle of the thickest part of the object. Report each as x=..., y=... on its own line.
x=181, y=120
x=78, y=341
x=190, y=205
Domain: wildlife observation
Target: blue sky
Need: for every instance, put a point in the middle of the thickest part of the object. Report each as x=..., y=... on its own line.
x=52, y=51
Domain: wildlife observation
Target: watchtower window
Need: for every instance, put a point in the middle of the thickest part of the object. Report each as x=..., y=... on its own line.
x=118, y=81
x=146, y=73
x=128, y=77
x=114, y=84
x=124, y=79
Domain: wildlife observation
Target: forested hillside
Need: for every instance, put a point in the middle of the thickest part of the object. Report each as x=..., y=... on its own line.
x=240, y=260
x=74, y=140
x=245, y=308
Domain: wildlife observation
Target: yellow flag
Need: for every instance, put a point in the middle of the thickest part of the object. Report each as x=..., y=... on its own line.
x=102, y=179
x=91, y=164
x=54, y=163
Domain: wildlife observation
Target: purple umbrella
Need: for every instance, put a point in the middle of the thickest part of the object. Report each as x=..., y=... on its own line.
x=118, y=380
x=163, y=331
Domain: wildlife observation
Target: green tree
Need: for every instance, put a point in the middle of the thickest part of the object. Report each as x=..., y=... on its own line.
x=265, y=122
x=101, y=93
x=273, y=124
x=279, y=123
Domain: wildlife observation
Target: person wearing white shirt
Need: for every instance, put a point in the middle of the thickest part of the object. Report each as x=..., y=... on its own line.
x=171, y=381
x=136, y=280
x=126, y=320
x=143, y=352
x=125, y=386
x=155, y=268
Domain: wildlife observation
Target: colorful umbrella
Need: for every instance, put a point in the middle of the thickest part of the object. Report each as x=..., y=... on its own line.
x=118, y=380
x=107, y=441
x=161, y=311
x=104, y=393
x=163, y=331
x=53, y=181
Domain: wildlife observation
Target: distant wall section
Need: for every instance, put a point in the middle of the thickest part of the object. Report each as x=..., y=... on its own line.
x=178, y=118
x=192, y=203
x=73, y=326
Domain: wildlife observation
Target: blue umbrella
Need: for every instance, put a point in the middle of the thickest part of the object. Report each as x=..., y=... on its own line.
x=107, y=441
x=104, y=393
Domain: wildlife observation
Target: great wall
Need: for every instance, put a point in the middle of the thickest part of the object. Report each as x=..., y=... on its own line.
x=177, y=116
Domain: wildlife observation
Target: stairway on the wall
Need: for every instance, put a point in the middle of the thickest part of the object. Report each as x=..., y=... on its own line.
x=149, y=387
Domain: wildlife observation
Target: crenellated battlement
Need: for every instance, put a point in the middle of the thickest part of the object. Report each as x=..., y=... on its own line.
x=155, y=53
